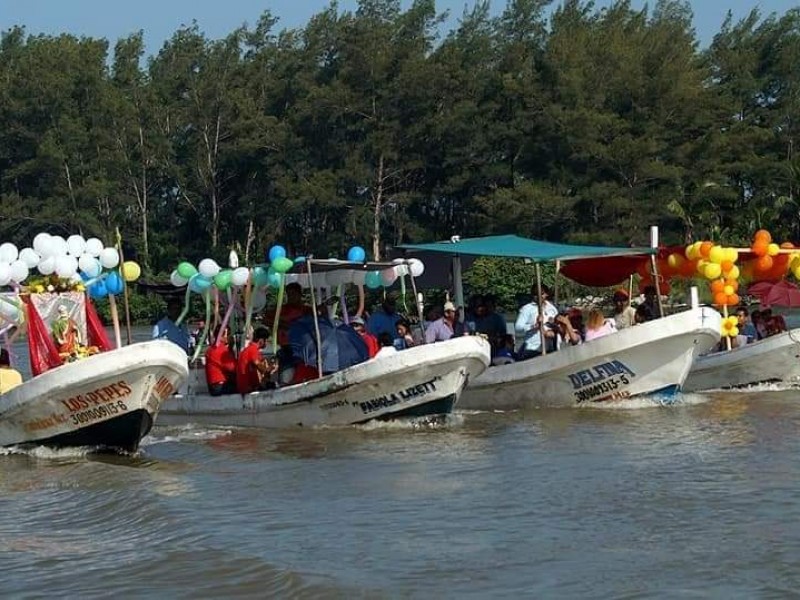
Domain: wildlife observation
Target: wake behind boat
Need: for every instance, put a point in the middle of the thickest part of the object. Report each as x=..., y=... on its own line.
x=651, y=358
x=420, y=381
x=773, y=359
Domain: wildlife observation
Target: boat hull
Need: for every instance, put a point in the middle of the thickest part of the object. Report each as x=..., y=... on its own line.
x=420, y=381
x=108, y=400
x=652, y=358
x=773, y=359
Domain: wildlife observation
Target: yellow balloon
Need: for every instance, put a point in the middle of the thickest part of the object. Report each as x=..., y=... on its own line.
x=131, y=270
x=728, y=289
x=689, y=253
x=733, y=273
x=731, y=254
x=796, y=272
x=773, y=249
x=701, y=267
x=675, y=260
x=712, y=270
x=716, y=254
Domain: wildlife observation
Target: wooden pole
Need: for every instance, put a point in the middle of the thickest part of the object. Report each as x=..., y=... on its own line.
x=124, y=289
x=316, y=319
x=112, y=301
x=541, y=307
x=654, y=268
x=555, y=282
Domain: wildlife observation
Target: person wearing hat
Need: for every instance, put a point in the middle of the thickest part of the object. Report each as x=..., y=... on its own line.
x=445, y=327
x=624, y=313
x=357, y=323
x=384, y=320
x=529, y=324
x=9, y=376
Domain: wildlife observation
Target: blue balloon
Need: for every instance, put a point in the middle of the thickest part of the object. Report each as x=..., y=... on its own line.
x=299, y=260
x=373, y=280
x=260, y=277
x=274, y=279
x=98, y=290
x=356, y=254
x=84, y=276
x=276, y=251
x=199, y=284
x=114, y=284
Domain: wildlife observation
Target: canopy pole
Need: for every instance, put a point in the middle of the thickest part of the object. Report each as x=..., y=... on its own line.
x=316, y=319
x=458, y=287
x=555, y=282
x=654, y=267
x=417, y=303
x=630, y=288
x=125, y=287
x=541, y=307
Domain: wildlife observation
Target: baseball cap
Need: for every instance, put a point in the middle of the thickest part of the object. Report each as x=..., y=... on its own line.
x=449, y=306
x=356, y=321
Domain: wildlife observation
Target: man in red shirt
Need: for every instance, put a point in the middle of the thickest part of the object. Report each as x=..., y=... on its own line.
x=292, y=310
x=221, y=366
x=357, y=323
x=251, y=368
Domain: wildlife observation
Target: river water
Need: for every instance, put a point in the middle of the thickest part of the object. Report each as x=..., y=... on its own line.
x=698, y=499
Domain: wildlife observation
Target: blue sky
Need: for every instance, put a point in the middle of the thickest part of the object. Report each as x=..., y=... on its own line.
x=160, y=18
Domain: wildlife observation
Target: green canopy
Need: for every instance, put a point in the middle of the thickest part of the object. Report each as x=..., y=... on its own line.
x=512, y=246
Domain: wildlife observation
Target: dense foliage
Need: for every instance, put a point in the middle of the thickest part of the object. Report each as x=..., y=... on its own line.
x=369, y=128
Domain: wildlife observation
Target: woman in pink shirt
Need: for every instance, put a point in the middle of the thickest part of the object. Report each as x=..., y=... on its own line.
x=597, y=325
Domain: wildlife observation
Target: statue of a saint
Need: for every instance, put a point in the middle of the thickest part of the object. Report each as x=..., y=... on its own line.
x=66, y=333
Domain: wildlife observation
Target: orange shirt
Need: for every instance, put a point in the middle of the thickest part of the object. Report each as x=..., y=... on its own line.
x=372, y=343
x=220, y=364
x=247, y=378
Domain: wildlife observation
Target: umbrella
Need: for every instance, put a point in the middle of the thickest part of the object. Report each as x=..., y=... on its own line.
x=781, y=293
x=342, y=347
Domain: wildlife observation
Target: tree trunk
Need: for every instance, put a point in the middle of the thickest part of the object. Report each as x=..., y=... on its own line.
x=377, y=208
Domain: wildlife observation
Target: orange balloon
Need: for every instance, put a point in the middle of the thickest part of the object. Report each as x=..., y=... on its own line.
x=705, y=248
x=760, y=248
x=733, y=300
x=733, y=283
x=787, y=245
x=726, y=265
x=763, y=234
x=720, y=298
x=717, y=286
x=764, y=263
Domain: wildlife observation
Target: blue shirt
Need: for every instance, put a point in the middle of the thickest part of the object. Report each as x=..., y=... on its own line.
x=526, y=323
x=750, y=331
x=166, y=329
x=379, y=322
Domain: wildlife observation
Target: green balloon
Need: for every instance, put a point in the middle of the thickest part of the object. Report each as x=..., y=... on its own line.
x=260, y=277
x=186, y=270
x=223, y=280
x=281, y=265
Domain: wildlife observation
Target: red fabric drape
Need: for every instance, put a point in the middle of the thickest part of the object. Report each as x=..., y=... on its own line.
x=95, y=330
x=41, y=347
x=604, y=271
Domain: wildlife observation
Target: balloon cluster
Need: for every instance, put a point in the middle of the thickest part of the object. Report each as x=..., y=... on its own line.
x=768, y=262
x=75, y=258
x=730, y=327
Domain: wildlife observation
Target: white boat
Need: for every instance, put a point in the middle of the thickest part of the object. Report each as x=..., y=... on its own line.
x=108, y=400
x=653, y=358
x=773, y=359
x=420, y=381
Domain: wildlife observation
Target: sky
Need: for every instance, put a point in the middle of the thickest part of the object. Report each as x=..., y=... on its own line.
x=159, y=19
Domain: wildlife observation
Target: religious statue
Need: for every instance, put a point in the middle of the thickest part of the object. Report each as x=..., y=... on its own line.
x=66, y=333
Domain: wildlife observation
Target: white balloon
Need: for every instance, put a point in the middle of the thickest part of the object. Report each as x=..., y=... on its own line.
x=401, y=270
x=29, y=257
x=5, y=275
x=89, y=265
x=19, y=271
x=240, y=276
x=208, y=267
x=9, y=311
x=41, y=241
x=399, y=261
x=66, y=266
x=176, y=280
x=416, y=267
x=47, y=265
x=233, y=260
x=46, y=247
x=76, y=278
x=76, y=245
x=94, y=246
x=59, y=245
x=8, y=252
x=109, y=258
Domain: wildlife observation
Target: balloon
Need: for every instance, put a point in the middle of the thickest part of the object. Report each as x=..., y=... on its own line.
x=760, y=248
x=19, y=271
x=388, y=276
x=764, y=263
x=233, y=259
x=728, y=290
x=762, y=235
x=177, y=279
x=200, y=284
x=416, y=267
x=208, y=268
x=98, y=290
x=114, y=283
x=276, y=252
x=281, y=264
x=47, y=265
x=273, y=279
x=717, y=286
x=731, y=254
x=29, y=257
x=401, y=270
x=733, y=300
x=89, y=265
x=373, y=280
x=299, y=260
x=356, y=254
x=223, y=279
x=5, y=275
x=260, y=277
x=46, y=247
x=720, y=299
x=187, y=271
x=94, y=247
x=675, y=261
x=712, y=270
x=733, y=273
x=66, y=266
x=705, y=248
x=8, y=252
x=734, y=331
x=240, y=276
x=773, y=249
x=42, y=240
x=9, y=312
x=109, y=258
x=76, y=245
x=716, y=254
x=131, y=270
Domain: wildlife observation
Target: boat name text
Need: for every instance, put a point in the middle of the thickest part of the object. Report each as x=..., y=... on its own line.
x=394, y=398
x=602, y=382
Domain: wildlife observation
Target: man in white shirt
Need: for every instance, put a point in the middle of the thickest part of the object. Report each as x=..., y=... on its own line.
x=529, y=323
x=624, y=313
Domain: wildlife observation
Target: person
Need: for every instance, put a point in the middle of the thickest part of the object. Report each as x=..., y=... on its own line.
x=404, y=339
x=66, y=333
x=504, y=353
x=758, y=322
x=576, y=320
x=293, y=308
x=221, y=365
x=357, y=323
x=386, y=343
x=444, y=328
x=651, y=301
x=384, y=320
x=252, y=370
x=642, y=315
x=746, y=328
x=529, y=323
x=9, y=376
x=167, y=329
x=624, y=314
x=487, y=321
x=598, y=326
x=567, y=334
x=775, y=324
